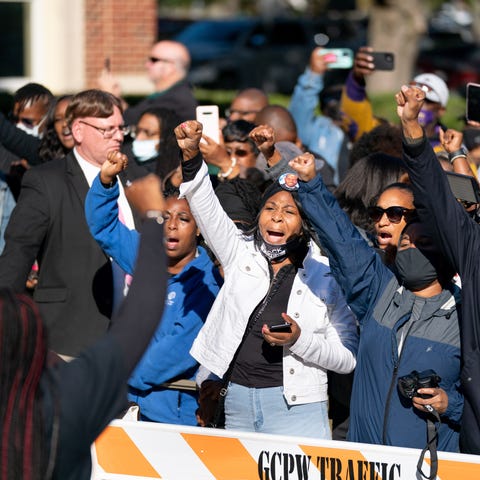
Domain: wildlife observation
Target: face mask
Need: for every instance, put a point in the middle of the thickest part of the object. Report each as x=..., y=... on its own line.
x=34, y=131
x=414, y=269
x=275, y=253
x=145, y=149
x=278, y=253
x=426, y=117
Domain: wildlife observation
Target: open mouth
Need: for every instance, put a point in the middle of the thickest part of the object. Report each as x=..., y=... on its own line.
x=171, y=243
x=275, y=237
x=384, y=238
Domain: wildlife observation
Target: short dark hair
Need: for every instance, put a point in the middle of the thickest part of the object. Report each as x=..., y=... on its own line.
x=92, y=103
x=405, y=187
x=32, y=92
x=238, y=131
x=384, y=138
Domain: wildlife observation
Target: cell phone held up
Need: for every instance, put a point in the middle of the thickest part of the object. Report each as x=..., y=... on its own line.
x=281, y=328
x=383, y=60
x=337, y=57
x=473, y=102
x=208, y=116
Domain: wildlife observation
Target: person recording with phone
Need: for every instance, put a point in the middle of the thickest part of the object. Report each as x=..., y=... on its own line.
x=357, y=106
x=407, y=324
x=276, y=381
x=320, y=134
x=458, y=238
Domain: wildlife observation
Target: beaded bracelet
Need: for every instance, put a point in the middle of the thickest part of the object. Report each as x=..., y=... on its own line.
x=229, y=171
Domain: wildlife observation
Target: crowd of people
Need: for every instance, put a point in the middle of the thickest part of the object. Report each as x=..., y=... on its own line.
x=285, y=279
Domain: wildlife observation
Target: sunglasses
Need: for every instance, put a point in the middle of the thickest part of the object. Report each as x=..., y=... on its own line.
x=28, y=122
x=394, y=214
x=162, y=60
x=242, y=113
x=239, y=152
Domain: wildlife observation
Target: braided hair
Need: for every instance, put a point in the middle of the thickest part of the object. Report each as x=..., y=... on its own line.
x=23, y=448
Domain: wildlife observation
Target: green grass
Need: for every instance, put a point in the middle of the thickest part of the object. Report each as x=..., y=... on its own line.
x=383, y=104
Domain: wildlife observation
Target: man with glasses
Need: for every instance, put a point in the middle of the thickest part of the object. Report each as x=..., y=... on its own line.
x=75, y=290
x=167, y=67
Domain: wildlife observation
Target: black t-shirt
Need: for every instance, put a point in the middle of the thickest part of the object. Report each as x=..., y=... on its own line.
x=258, y=364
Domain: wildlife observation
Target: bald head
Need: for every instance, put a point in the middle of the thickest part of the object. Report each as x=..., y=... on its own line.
x=168, y=63
x=247, y=103
x=281, y=120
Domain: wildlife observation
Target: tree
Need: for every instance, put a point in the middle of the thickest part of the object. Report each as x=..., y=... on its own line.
x=396, y=26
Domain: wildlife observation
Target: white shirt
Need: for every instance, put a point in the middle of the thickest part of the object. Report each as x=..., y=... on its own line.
x=120, y=285
x=91, y=171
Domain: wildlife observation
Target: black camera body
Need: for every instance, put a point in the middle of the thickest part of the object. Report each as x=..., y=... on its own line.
x=409, y=384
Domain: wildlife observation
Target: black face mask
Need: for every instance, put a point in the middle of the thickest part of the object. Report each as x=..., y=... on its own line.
x=414, y=269
x=278, y=253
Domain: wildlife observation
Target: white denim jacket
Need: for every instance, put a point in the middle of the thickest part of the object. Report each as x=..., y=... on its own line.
x=328, y=339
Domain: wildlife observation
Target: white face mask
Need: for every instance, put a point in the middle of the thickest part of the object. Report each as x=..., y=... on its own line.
x=145, y=149
x=34, y=131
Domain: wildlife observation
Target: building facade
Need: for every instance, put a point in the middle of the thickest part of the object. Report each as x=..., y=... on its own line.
x=63, y=44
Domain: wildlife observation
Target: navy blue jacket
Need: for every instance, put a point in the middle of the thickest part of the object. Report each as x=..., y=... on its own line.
x=458, y=236
x=378, y=413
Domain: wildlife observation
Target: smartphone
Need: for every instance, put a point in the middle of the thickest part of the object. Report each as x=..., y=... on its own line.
x=473, y=102
x=383, y=60
x=464, y=187
x=106, y=64
x=208, y=116
x=338, y=57
x=281, y=327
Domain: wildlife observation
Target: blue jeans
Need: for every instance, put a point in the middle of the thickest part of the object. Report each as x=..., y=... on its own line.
x=265, y=410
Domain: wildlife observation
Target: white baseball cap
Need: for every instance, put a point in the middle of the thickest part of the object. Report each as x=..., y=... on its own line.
x=437, y=88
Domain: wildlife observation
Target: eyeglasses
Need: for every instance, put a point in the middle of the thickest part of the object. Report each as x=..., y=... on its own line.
x=242, y=113
x=239, y=152
x=157, y=59
x=135, y=131
x=109, y=132
x=394, y=214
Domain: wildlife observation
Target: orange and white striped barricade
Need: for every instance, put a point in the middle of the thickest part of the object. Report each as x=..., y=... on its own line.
x=144, y=450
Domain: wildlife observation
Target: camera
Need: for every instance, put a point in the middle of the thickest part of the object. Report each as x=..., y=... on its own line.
x=409, y=384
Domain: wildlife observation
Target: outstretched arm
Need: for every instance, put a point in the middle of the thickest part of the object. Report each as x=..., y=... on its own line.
x=219, y=231
x=101, y=212
x=304, y=99
x=435, y=203
x=356, y=266
x=92, y=388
